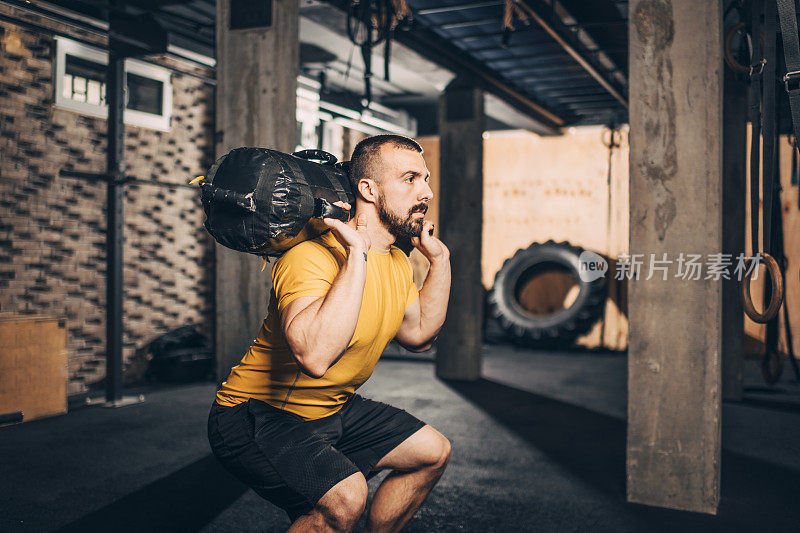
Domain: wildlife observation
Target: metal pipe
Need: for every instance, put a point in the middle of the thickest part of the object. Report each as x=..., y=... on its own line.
x=115, y=217
x=100, y=176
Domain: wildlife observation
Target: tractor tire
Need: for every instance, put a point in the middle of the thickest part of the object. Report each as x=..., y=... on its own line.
x=556, y=328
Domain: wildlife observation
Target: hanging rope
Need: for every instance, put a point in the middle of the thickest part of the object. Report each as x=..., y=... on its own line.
x=614, y=141
x=510, y=11
x=614, y=138
x=371, y=22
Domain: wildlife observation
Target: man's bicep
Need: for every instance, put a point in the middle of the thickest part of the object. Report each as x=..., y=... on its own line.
x=409, y=327
x=297, y=306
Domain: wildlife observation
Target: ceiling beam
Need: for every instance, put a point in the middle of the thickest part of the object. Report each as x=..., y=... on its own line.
x=428, y=44
x=546, y=18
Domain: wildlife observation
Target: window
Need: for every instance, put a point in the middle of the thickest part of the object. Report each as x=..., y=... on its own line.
x=81, y=86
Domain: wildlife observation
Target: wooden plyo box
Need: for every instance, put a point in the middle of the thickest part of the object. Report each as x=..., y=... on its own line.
x=33, y=365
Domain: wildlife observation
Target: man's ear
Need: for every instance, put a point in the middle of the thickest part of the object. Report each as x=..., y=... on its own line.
x=368, y=190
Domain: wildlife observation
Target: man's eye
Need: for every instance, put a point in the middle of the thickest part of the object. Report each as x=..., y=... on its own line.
x=410, y=179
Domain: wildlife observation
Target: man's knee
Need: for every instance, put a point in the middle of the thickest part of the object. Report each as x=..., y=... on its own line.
x=435, y=453
x=343, y=504
x=443, y=455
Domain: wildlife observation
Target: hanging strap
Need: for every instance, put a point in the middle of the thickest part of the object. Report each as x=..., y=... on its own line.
x=768, y=119
x=768, y=127
x=780, y=248
x=795, y=178
x=791, y=51
x=754, y=116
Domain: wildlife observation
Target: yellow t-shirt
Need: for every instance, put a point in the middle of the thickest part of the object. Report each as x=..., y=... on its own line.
x=269, y=371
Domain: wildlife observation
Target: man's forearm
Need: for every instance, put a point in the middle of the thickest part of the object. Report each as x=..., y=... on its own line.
x=433, y=298
x=320, y=333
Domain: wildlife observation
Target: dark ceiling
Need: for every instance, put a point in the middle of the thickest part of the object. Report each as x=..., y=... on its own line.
x=572, y=61
x=565, y=65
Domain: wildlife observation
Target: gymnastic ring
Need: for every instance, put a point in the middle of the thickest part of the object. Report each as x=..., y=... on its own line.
x=776, y=298
x=771, y=366
x=729, y=59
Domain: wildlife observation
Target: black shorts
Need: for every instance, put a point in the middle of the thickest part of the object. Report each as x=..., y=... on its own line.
x=293, y=462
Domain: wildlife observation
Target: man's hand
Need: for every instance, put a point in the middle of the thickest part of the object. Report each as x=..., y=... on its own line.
x=432, y=248
x=318, y=329
x=424, y=318
x=352, y=239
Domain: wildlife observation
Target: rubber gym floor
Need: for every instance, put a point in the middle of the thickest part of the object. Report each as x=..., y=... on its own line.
x=538, y=445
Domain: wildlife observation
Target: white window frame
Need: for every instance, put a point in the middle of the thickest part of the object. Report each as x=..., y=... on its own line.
x=66, y=46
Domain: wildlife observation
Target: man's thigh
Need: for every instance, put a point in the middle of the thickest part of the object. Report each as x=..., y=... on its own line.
x=371, y=430
x=423, y=448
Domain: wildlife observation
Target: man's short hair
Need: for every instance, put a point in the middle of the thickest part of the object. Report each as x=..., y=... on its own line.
x=365, y=156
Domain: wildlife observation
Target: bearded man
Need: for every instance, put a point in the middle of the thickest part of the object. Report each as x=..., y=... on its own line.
x=287, y=421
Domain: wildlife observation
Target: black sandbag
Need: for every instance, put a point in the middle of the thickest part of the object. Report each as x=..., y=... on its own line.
x=264, y=202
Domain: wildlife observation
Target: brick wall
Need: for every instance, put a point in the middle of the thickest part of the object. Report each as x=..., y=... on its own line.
x=52, y=229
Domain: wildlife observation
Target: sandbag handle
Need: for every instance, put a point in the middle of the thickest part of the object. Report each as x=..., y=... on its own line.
x=325, y=209
x=317, y=155
x=344, y=166
x=211, y=193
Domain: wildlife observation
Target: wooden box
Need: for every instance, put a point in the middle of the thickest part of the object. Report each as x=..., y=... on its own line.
x=33, y=365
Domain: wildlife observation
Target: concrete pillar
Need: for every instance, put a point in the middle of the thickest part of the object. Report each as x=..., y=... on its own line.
x=734, y=155
x=676, y=191
x=461, y=125
x=257, y=67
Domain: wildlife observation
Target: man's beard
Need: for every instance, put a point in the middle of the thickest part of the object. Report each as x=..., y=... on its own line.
x=401, y=228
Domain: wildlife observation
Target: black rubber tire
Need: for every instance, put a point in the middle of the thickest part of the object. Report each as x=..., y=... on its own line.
x=557, y=329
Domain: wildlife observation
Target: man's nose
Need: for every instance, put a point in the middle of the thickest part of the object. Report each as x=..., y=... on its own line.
x=427, y=193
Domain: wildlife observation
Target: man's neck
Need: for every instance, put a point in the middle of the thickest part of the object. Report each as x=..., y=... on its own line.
x=379, y=236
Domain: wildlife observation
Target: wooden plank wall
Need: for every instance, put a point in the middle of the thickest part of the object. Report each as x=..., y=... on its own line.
x=540, y=188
